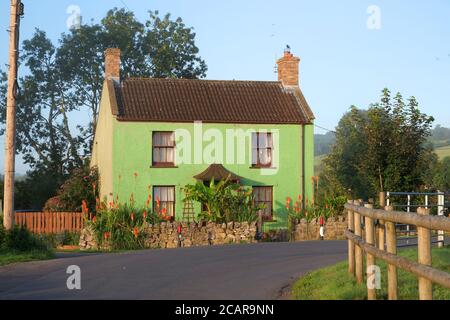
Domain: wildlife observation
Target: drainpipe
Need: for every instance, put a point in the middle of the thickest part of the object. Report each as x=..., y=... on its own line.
x=303, y=168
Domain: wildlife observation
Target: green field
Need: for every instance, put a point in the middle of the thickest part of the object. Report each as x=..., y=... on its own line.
x=334, y=283
x=443, y=152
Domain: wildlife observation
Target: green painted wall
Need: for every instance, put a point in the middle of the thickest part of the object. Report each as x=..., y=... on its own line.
x=132, y=145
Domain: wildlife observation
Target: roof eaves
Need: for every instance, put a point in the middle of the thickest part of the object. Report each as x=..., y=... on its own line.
x=112, y=93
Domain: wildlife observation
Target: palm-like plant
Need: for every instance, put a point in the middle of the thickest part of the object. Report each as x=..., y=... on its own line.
x=223, y=201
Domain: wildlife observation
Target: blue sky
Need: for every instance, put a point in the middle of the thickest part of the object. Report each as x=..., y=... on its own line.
x=343, y=62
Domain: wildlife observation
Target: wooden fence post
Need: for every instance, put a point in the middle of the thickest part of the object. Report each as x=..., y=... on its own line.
x=358, y=249
x=351, y=245
x=370, y=259
x=424, y=255
x=381, y=229
x=391, y=245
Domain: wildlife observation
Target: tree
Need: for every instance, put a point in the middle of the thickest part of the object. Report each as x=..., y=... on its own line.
x=381, y=149
x=441, y=179
x=67, y=78
x=160, y=48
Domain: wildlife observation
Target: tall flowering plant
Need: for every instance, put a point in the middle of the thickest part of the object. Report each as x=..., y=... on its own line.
x=121, y=226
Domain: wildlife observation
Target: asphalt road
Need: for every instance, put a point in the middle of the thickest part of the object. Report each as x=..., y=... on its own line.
x=242, y=272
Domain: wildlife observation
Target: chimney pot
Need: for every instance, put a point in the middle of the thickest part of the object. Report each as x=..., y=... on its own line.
x=288, y=69
x=112, y=63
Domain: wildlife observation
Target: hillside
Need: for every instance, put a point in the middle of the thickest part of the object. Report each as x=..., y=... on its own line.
x=440, y=139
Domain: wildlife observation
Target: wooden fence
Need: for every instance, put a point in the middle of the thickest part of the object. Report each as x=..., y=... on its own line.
x=50, y=222
x=386, y=246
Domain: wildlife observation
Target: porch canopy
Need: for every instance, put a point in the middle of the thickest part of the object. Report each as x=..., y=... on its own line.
x=217, y=172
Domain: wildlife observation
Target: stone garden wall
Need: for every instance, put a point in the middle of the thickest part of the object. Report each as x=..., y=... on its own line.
x=334, y=229
x=165, y=235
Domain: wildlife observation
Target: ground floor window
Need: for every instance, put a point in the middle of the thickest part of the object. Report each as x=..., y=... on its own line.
x=164, y=200
x=264, y=195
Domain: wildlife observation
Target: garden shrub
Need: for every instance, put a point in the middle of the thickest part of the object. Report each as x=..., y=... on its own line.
x=81, y=186
x=20, y=239
x=224, y=201
x=2, y=234
x=62, y=239
x=123, y=227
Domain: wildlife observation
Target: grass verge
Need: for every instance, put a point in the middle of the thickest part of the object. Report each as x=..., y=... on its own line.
x=334, y=282
x=13, y=256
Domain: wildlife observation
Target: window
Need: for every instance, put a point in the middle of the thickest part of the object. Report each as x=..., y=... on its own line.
x=164, y=201
x=164, y=149
x=264, y=195
x=262, y=146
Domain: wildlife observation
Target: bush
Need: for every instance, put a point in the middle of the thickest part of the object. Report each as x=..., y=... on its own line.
x=326, y=208
x=20, y=239
x=223, y=201
x=122, y=227
x=62, y=239
x=2, y=234
x=81, y=186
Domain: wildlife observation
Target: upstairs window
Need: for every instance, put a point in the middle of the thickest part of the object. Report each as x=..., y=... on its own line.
x=264, y=196
x=163, y=149
x=262, y=146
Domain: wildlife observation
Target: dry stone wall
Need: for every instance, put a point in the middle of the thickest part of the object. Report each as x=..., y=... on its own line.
x=165, y=235
x=334, y=229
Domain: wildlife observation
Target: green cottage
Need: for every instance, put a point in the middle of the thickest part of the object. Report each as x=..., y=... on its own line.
x=155, y=136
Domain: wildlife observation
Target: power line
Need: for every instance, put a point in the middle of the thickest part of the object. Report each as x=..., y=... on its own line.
x=317, y=126
x=123, y=2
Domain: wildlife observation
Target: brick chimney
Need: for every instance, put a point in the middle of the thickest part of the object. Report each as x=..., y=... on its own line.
x=112, y=63
x=288, y=69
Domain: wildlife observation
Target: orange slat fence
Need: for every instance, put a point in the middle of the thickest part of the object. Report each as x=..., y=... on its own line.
x=50, y=222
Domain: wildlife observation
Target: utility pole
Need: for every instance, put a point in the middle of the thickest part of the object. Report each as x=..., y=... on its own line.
x=10, y=150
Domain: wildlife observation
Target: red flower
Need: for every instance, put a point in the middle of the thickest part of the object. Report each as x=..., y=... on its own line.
x=132, y=216
x=107, y=235
x=84, y=207
x=149, y=199
x=136, y=232
x=164, y=211
x=94, y=219
x=297, y=207
x=145, y=215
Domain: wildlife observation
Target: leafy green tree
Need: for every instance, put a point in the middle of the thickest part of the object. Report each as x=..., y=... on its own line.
x=159, y=48
x=344, y=167
x=64, y=79
x=381, y=149
x=441, y=179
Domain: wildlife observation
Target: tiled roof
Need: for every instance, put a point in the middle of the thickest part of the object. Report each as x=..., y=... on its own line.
x=182, y=100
